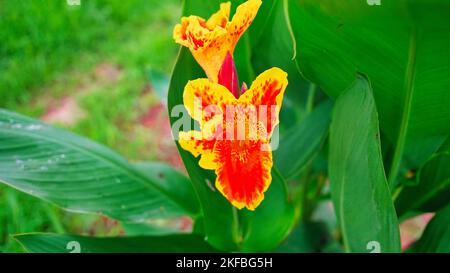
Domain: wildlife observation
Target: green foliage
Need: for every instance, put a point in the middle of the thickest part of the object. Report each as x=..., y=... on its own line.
x=41, y=38
x=131, y=38
x=436, y=237
x=376, y=147
x=303, y=141
x=402, y=46
x=431, y=191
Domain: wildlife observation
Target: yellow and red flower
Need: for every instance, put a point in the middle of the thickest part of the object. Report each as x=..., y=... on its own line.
x=211, y=40
x=242, y=163
x=235, y=123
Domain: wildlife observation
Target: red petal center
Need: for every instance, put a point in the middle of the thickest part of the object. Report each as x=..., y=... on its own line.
x=228, y=76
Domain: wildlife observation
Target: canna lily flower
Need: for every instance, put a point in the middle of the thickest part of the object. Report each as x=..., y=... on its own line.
x=211, y=40
x=234, y=139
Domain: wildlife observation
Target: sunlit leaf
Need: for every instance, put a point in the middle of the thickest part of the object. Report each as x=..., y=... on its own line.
x=83, y=176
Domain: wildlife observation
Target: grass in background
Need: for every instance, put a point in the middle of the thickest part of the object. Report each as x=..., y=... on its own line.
x=98, y=55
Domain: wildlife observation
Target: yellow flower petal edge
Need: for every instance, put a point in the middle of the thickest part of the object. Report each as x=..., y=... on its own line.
x=210, y=40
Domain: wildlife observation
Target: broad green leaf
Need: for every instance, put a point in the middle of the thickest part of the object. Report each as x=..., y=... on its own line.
x=359, y=188
x=225, y=227
x=436, y=237
x=53, y=243
x=82, y=176
x=303, y=141
x=270, y=39
x=432, y=191
x=403, y=47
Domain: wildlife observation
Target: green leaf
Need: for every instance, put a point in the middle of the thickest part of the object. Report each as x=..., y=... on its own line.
x=432, y=191
x=258, y=235
x=82, y=176
x=272, y=46
x=225, y=227
x=302, y=142
x=359, y=188
x=436, y=237
x=403, y=48
x=150, y=229
x=309, y=237
x=52, y=243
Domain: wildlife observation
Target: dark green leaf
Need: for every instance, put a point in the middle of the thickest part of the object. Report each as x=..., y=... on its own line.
x=307, y=238
x=272, y=45
x=436, y=237
x=432, y=191
x=401, y=45
x=360, y=192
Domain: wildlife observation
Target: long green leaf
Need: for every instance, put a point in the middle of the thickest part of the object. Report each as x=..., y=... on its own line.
x=52, y=243
x=401, y=45
x=82, y=176
x=359, y=188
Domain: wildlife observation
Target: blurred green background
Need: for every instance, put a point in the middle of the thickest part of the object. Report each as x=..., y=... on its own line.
x=86, y=68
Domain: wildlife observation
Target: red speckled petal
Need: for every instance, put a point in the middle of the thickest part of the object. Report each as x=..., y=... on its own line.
x=266, y=94
x=244, y=171
x=204, y=99
x=200, y=143
x=242, y=19
x=220, y=18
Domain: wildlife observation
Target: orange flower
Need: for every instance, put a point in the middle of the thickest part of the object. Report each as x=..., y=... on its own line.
x=234, y=137
x=211, y=40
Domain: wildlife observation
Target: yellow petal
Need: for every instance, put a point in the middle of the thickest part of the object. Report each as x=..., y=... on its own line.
x=197, y=144
x=208, y=46
x=204, y=99
x=266, y=94
x=244, y=16
x=220, y=18
x=210, y=41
